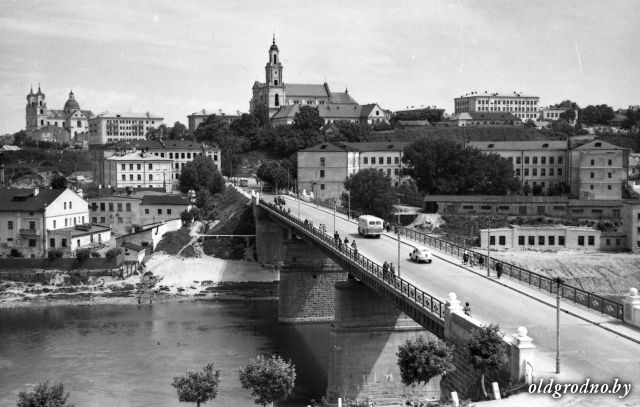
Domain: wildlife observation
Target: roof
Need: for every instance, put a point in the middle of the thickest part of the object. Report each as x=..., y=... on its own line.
x=22, y=200
x=496, y=199
x=519, y=145
x=155, y=145
x=137, y=156
x=128, y=115
x=300, y=89
x=495, y=116
x=164, y=200
x=132, y=246
x=326, y=147
x=285, y=112
x=362, y=146
x=340, y=111
x=599, y=145
x=219, y=112
x=343, y=98
x=499, y=95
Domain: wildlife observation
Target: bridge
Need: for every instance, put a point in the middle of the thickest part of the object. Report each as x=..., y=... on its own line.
x=372, y=313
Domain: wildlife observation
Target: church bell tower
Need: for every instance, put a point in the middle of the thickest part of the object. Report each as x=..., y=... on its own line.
x=36, y=110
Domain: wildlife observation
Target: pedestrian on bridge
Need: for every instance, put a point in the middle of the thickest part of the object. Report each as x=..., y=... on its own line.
x=392, y=268
x=346, y=240
x=465, y=258
x=354, y=246
x=385, y=271
x=336, y=237
x=499, y=269
x=467, y=309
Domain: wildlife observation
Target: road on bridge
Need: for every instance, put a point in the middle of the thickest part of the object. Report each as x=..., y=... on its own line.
x=587, y=351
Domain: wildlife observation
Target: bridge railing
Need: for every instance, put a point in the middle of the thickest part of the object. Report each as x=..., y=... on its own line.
x=401, y=286
x=543, y=283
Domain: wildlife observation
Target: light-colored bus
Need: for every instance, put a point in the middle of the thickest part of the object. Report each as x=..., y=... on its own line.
x=370, y=226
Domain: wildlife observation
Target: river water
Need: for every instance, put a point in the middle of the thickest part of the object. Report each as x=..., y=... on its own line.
x=126, y=355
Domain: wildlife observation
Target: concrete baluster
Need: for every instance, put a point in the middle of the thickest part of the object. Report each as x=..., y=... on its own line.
x=522, y=354
x=632, y=307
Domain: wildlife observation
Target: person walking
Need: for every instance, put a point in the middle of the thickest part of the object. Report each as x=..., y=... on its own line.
x=498, y=269
x=465, y=258
x=354, y=246
x=467, y=309
x=346, y=240
x=385, y=271
x=392, y=269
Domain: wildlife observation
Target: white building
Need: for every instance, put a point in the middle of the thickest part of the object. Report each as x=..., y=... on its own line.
x=110, y=127
x=524, y=107
x=138, y=170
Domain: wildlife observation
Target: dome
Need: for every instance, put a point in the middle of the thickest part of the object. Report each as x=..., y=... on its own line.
x=71, y=104
x=274, y=47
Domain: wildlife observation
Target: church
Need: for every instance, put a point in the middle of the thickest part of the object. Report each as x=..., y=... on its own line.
x=55, y=125
x=275, y=93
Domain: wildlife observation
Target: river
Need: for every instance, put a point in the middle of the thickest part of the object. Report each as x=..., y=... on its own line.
x=126, y=355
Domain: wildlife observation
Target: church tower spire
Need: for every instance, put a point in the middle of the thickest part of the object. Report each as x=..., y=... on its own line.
x=274, y=66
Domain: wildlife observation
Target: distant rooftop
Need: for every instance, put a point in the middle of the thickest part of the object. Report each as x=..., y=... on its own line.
x=138, y=156
x=128, y=115
x=486, y=94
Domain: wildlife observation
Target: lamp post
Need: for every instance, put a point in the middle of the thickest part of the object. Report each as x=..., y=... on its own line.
x=334, y=217
x=489, y=251
x=399, y=226
x=559, y=283
x=349, y=200
x=298, y=204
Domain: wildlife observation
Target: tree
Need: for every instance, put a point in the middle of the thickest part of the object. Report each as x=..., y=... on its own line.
x=486, y=350
x=201, y=173
x=371, y=192
x=198, y=387
x=245, y=126
x=420, y=360
x=45, y=396
x=596, y=114
x=307, y=118
x=59, y=182
x=178, y=131
x=443, y=166
x=157, y=134
x=269, y=379
x=261, y=112
x=186, y=217
x=273, y=172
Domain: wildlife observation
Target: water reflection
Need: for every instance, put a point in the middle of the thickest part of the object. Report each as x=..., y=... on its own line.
x=127, y=355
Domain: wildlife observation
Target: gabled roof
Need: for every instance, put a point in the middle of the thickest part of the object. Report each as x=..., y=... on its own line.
x=286, y=112
x=22, y=200
x=128, y=115
x=326, y=147
x=343, y=98
x=301, y=89
x=164, y=200
x=519, y=145
x=133, y=247
x=599, y=145
x=340, y=111
x=371, y=146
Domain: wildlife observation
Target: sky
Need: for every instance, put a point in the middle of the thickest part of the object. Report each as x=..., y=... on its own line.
x=173, y=58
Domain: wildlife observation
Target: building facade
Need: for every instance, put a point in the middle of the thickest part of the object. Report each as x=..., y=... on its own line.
x=370, y=114
x=71, y=118
x=110, y=127
x=194, y=119
x=138, y=170
x=274, y=93
x=631, y=223
x=598, y=170
x=524, y=107
x=119, y=212
x=323, y=168
x=160, y=208
x=485, y=119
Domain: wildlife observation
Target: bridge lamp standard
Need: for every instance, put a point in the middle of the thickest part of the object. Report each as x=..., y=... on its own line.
x=489, y=250
x=559, y=283
x=334, y=217
x=399, y=226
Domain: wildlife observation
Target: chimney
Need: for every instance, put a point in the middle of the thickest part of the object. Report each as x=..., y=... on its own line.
x=36, y=191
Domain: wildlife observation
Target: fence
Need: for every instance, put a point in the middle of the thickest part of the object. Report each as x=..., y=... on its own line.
x=543, y=283
x=393, y=282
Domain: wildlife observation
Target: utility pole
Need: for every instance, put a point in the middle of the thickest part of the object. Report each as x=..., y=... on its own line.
x=559, y=283
x=489, y=251
x=334, y=218
x=399, y=226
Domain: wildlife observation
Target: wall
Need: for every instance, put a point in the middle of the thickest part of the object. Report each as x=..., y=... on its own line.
x=541, y=238
x=149, y=238
x=66, y=263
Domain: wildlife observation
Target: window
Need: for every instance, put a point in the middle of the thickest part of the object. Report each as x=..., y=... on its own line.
x=551, y=160
x=526, y=160
x=590, y=186
x=389, y=172
x=321, y=173
x=102, y=206
x=170, y=155
x=518, y=160
x=138, y=167
x=517, y=172
x=188, y=155
x=561, y=240
x=593, y=162
x=535, y=160
x=322, y=162
x=511, y=160
x=552, y=240
x=146, y=211
x=526, y=172
x=159, y=211
x=150, y=166
x=532, y=240
x=388, y=160
x=543, y=160
x=592, y=175
x=65, y=206
x=130, y=177
x=559, y=171
x=124, y=177
x=10, y=224
x=485, y=207
x=124, y=167
x=502, y=240
x=521, y=240
x=550, y=172
x=32, y=242
x=119, y=206
x=396, y=160
x=111, y=207
x=139, y=177
x=150, y=177
x=535, y=172
x=168, y=211
x=591, y=240
x=365, y=160
x=322, y=186
x=128, y=207
x=609, y=187
x=94, y=219
x=396, y=172
x=78, y=242
x=609, y=162
x=608, y=242
x=541, y=240
x=54, y=223
x=380, y=160
x=560, y=160
x=492, y=240
x=542, y=172
x=580, y=240
x=609, y=175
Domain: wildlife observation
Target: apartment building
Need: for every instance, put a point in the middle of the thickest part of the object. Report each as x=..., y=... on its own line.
x=524, y=107
x=196, y=118
x=158, y=208
x=631, y=223
x=535, y=163
x=323, y=168
x=111, y=127
x=598, y=170
x=138, y=170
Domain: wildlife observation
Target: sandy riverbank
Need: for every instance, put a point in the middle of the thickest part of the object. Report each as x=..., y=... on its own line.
x=177, y=279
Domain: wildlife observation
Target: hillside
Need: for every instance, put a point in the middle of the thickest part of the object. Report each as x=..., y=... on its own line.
x=32, y=167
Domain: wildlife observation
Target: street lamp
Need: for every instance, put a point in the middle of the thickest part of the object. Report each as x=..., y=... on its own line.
x=489, y=251
x=399, y=226
x=334, y=217
x=559, y=283
x=349, y=200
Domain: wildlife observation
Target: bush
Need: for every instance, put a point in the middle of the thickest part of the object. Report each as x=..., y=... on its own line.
x=113, y=253
x=45, y=395
x=95, y=254
x=83, y=254
x=53, y=254
x=15, y=253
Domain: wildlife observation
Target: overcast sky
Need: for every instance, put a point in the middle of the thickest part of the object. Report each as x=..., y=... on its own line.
x=173, y=58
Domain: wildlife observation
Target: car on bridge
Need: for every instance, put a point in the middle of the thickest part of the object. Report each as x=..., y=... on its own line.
x=421, y=255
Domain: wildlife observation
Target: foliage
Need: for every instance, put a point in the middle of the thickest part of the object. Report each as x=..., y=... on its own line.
x=486, y=350
x=96, y=254
x=246, y=126
x=596, y=114
x=269, y=379
x=632, y=120
x=201, y=173
x=343, y=130
x=198, y=387
x=186, y=217
x=45, y=395
x=371, y=193
x=308, y=118
x=15, y=253
x=420, y=360
x=432, y=115
x=113, y=253
x=261, y=112
x=273, y=172
x=215, y=131
x=53, y=254
x=83, y=254
x=59, y=182
x=445, y=167
x=178, y=131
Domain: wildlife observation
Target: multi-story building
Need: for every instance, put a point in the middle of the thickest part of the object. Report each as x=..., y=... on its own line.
x=524, y=107
x=34, y=220
x=543, y=163
x=71, y=118
x=158, y=208
x=485, y=119
x=138, y=170
x=553, y=113
x=118, y=211
x=110, y=127
x=194, y=119
x=631, y=223
x=598, y=170
x=275, y=93
x=323, y=168
x=179, y=152
x=370, y=114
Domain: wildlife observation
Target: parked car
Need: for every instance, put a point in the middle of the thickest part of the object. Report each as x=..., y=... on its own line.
x=420, y=255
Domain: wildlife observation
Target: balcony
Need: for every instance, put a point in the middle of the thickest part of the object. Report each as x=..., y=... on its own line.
x=29, y=232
